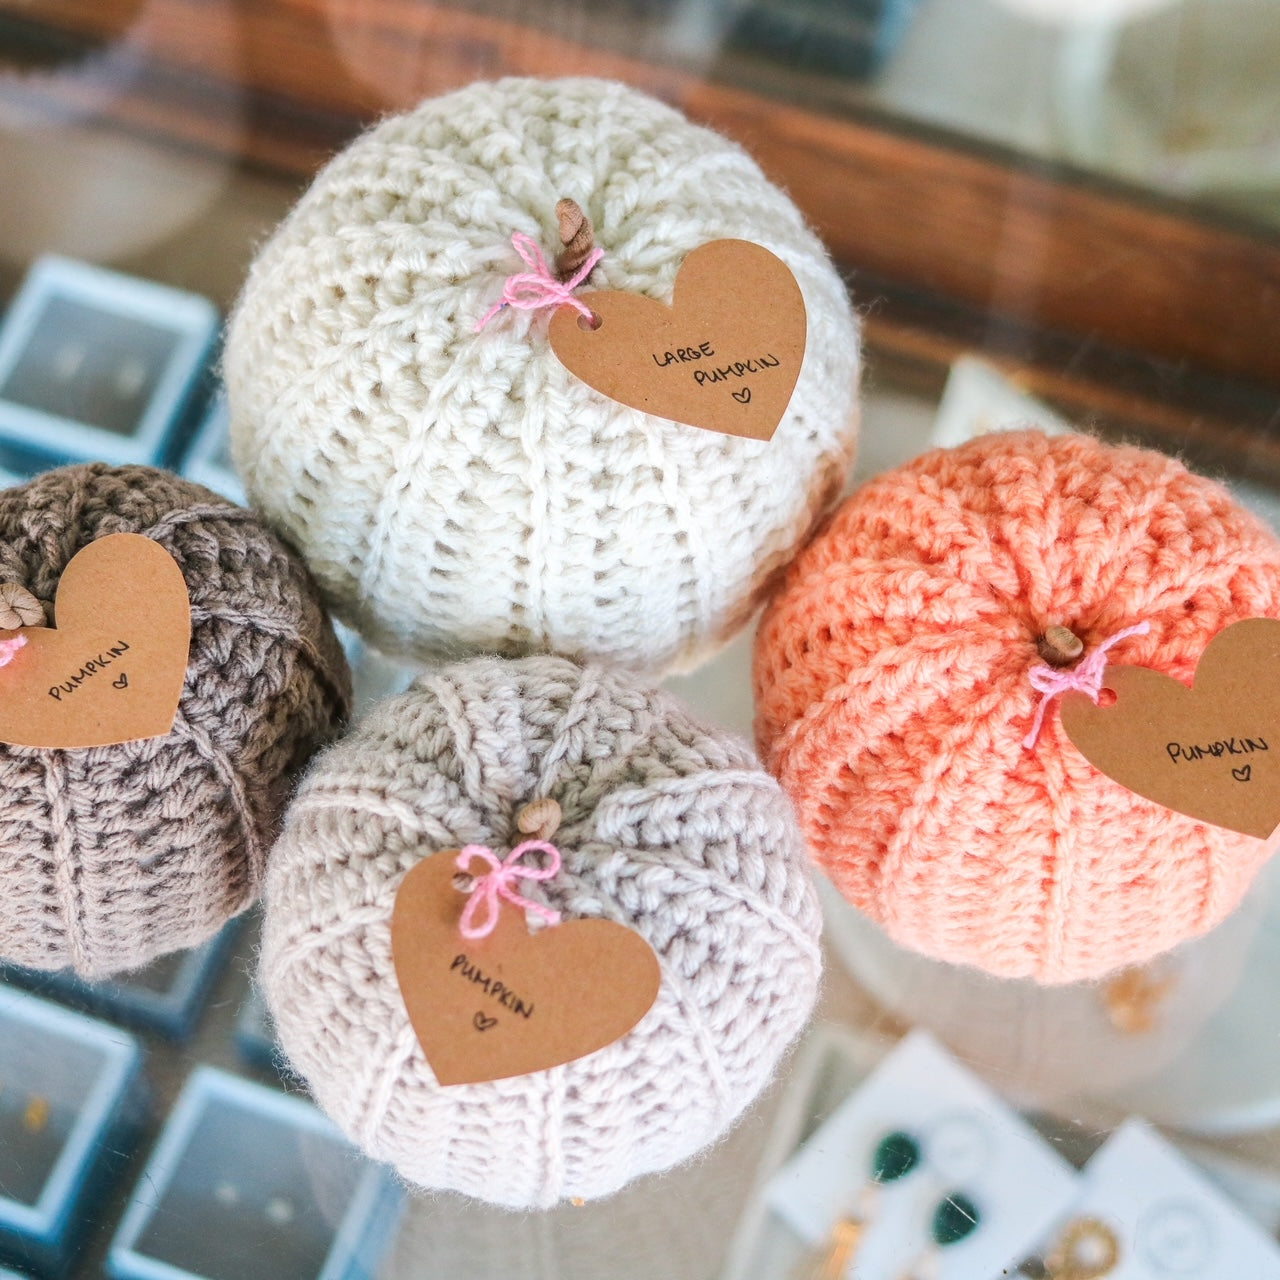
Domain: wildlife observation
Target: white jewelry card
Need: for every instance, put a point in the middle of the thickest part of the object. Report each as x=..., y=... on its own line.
x=979, y=398
x=970, y=1145
x=1169, y=1222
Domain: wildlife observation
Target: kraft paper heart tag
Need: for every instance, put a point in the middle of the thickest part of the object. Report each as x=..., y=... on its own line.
x=112, y=667
x=1212, y=751
x=724, y=356
x=513, y=1002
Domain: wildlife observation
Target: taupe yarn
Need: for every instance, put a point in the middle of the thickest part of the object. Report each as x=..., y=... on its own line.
x=667, y=826
x=112, y=856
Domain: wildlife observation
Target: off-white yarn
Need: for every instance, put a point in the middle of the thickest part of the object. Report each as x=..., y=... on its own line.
x=669, y=827
x=455, y=490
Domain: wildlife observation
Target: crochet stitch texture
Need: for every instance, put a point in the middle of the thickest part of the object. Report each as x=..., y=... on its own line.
x=112, y=856
x=455, y=490
x=891, y=677
x=668, y=827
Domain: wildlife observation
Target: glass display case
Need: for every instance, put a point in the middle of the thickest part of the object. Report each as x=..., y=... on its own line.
x=1056, y=212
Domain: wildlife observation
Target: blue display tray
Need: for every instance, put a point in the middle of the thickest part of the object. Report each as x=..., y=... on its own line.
x=207, y=459
x=95, y=365
x=246, y=1182
x=254, y=1036
x=70, y=1107
x=167, y=996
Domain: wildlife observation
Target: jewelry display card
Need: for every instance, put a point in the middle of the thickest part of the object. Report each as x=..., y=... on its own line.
x=973, y=1152
x=1169, y=1221
x=979, y=398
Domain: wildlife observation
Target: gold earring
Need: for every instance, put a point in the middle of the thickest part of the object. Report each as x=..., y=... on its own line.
x=896, y=1155
x=1087, y=1249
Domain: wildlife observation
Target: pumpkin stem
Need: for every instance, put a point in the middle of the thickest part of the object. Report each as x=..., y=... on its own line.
x=576, y=235
x=1060, y=646
x=539, y=818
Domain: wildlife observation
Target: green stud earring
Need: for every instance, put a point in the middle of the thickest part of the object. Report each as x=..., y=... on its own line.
x=895, y=1156
x=955, y=1218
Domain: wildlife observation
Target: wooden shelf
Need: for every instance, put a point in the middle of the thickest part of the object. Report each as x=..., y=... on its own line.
x=1152, y=314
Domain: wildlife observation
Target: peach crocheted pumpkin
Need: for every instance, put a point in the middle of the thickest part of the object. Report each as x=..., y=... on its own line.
x=892, y=689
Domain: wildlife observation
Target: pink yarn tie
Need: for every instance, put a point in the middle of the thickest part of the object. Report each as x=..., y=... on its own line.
x=1085, y=677
x=497, y=883
x=537, y=288
x=9, y=649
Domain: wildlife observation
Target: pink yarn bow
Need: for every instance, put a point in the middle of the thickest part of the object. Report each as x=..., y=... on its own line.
x=497, y=883
x=538, y=287
x=1085, y=677
x=9, y=649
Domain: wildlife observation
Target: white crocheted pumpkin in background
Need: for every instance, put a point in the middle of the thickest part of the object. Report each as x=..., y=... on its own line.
x=666, y=827
x=456, y=490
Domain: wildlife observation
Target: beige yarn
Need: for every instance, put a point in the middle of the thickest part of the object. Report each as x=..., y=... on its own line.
x=668, y=827
x=112, y=856
x=455, y=490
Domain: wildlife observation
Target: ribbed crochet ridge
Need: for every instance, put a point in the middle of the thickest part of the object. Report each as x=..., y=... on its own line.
x=669, y=827
x=456, y=491
x=891, y=677
x=112, y=856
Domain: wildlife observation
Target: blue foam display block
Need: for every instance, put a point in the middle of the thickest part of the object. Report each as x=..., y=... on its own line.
x=254, y=1036
x=247, y=1181
x=96, y=365
x=848, y=38
x=207, y=459
x=167, y=996
x=374, y=677
x=70, y=1107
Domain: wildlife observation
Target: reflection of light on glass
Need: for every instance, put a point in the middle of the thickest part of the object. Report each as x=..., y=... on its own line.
x=404, y=53
x=1176, y=1238
x=129, y=378
x=36, y=1114
x=1185, y=101
x=279, y=1211
x=1076, y=12
x=958, y=1147
x=72, y=185
x=67, y=362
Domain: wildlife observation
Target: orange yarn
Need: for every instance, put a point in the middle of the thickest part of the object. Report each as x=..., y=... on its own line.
x=891, y=677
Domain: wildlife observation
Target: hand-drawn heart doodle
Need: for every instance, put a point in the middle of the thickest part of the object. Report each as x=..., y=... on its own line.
x=121, y=595
x=736, y=311
x=1180, y=746
x=563, y=992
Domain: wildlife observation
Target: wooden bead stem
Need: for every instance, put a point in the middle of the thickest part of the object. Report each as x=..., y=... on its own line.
x=19, y=608
x=576, y=234
x=539, y=819
x=1060, y=646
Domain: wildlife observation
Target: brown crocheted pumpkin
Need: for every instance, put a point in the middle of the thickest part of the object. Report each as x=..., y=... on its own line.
x=111, y=856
